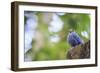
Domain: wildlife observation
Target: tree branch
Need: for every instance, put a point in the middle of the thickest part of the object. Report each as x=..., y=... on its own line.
x=81, y=51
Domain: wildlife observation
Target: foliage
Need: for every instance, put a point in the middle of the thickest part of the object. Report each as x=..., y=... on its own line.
x=50, y=42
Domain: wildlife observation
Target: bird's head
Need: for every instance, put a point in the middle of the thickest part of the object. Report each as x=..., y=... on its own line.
x=70, y=30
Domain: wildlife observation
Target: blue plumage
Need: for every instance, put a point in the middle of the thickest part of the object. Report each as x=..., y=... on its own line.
x=74, y=39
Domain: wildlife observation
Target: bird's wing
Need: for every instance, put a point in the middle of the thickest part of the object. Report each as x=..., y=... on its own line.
x=72, y=41
x=76, y=37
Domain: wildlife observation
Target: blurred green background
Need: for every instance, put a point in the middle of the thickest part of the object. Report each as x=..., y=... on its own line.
x=51, y=29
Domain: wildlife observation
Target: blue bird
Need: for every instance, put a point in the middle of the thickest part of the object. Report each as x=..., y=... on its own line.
x=73, y=39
